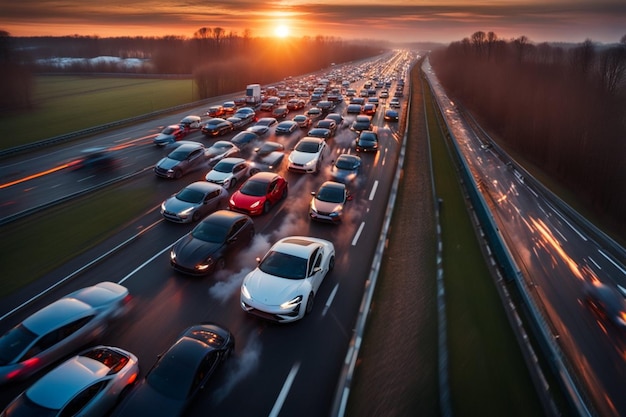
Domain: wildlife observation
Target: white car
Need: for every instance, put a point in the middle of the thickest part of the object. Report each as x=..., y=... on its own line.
x=228, y=172
x=308, y=155
x=283, y=286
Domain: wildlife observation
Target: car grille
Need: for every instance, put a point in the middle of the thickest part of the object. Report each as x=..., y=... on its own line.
x=160, y=171
x=172, y=216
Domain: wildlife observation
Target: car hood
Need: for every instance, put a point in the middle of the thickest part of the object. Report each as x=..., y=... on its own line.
x=146, y=401
x=325, y=206
x=270, y=159
x=163, y=138
x=302, y=157
x=176, y=206
x=189, y=251
x=343, y=175
x=244, y=201
x=167, y=163
x=271, y=290
x=216, y=176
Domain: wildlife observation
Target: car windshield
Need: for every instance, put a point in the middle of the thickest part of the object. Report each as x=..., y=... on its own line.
x=224, y=166
x=254, y=188
x=210, y=232
x=330, y=194
x=344, y=163
x=307, y=147
x=300, y=118
x=178, y=155
x=190, y=196
x=173, y=376
x=220, y=147
x=284, y=265
x=14, y=342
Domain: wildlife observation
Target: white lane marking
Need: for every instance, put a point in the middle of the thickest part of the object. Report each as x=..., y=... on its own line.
x=555, y=211
x=134, y=271
x=612, y=261
x=594, y=262
x=283, y=392
x=358, y=233
x=330, y=300
x=373, y=192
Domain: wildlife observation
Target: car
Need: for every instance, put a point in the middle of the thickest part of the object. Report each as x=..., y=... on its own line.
x=88, y=384
x=325, y=105
x=327, y=204
x=369, y=109
x=229, y=107
x=204, y=250
x=295, y=104
x=314, y=113
x=228, y=172
x=280, y=112
x=283, y=286
x=354, y=109
x=245, y=112
x=258, y=130
x=194, y=202
x=286, y=127
x=367, y=141
x=329, y=124
x=361, y=122
x=259, y=193
x=217, y=127
x=384, y=94
x=243, y=139
x=222, y=149
x=215, y=111
x=191, y=122
x=320, y=132
x=607, y=302
x=170, y=134
x=180, y=373
x=346, y=168
x=394, y=103
x=182, y=160
x=373, y=100
x=357, y=100
x=240, y=123
x=267, y=107
x=336, y=117
x=267, y=121
x=303, y=121
x=60, y=329
x=268, y=157
x=391, y=115
x=95, y=158
x=307, y=155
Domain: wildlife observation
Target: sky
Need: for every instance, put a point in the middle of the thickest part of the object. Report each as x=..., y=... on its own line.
x=390, y=20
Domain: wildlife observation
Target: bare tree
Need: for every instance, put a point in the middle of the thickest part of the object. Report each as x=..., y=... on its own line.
x=612, y=68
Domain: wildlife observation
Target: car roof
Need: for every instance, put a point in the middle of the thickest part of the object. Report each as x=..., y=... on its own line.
x=300, y=246
x=349, y=156
x=204, y=186
x=264, y=176
x=224, y=217
x=311, y=139
x=57, y=314
x=189, y=147
x=333, y=184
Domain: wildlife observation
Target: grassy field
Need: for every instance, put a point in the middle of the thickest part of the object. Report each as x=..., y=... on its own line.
x=63, y=104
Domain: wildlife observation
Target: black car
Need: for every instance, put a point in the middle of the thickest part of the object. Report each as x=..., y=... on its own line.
x=243, y=139
x=361, y=123
x=182, y=160
x=320, y=132
x=328, y=124
x=180, y=373
x=346, y=168
x=204, y=249
x=391, y=115
x=217, y=126
x=367, y=141
x=269, y=157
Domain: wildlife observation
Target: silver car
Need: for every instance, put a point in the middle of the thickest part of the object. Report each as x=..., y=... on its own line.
x=195, y=201
x=228, y=172
x=89, y=384
x=60, y=329
x=182, y=160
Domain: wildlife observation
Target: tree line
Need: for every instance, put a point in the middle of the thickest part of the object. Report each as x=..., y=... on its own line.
x=560, y=107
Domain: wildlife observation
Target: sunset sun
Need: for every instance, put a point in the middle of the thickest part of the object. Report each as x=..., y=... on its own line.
x=281, y=31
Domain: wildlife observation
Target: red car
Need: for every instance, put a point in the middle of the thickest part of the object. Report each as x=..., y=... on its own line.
x=259, y=193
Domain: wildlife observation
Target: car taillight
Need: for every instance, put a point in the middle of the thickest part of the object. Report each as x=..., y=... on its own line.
x=26, y=366
x=127, y=299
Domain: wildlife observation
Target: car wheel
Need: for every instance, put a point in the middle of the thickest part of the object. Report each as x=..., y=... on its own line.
x=220, y=264
x=331, y=263
x=254, y=171
x=309, y=304
x=266, y=207
x=177, y=174
x=285, y=192
x=233, y=183
x=196, y=216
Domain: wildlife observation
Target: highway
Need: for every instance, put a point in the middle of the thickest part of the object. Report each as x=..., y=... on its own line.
x=277, y=369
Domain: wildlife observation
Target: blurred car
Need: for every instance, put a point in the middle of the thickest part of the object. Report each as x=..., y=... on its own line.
x=384, y=94
x=346, y=168
x=295, y=104
x=228, y=172
x=391, y=115
x=329, y=124
x=169, y=134
x=204, y=250
x=302, y=120
x=229, y=107
x=243, y=139
x=280, y=112
x=314, y=113
x=95, y=158
x=220, y=150
x=258, y=130
x=367, y=141
x=240, y=122
x=89, y=384
x=180, y=373
x=319, y=132
x=266, y=107
x=59, y=329
x=607, y=302
x=369, y=109
x=354, y=109
x=267, y=121
x=336, y=117
x=307, y=156
x=284, y=284
x=394, y=102
x=325, y=105
x=259, y=193
x=191, y=122
x=286, y=127
x=182, y=160
x=245, y=112
x=362, y=122
x=215, y=111
x=217, y=127
x=194, y=202
x=268, y=157
x=327, y=204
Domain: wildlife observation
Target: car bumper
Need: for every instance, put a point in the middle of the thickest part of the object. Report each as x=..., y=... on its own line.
x=275, y=314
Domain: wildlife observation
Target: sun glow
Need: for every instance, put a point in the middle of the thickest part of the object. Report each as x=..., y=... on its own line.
x=281, y=31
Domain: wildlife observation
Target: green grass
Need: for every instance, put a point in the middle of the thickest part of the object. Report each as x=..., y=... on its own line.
x=36, y=245
x=64, y=104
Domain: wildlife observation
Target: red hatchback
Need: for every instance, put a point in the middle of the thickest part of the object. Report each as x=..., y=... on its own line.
x=259, y=193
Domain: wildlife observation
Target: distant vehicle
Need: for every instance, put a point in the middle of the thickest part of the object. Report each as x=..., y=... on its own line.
x=60, y=329
x=258, y=130
x=220, y=150
x=243, y=139
x=394, y=102
x=286, y=127
x=89, y=384
x=259, y=193
x=191, y=122
x=367, y=141
x=253, y=94
x=325, y=105
x=229, y=107
x=194, y=202
x=295, y=104
x=384, y=94
x=346, y=168
x=169, y=134
x=204, y=250
x=607, y=302
x=354, y=109
x=245, y=112
x=180, y=373
x=182, y=160
x=320, y=132
x=268, y=157
x=362, y=122
x=391, y=115
x=284, y=284
x=314, y=113
x=267, y=121
x=215, y=111
x=217, y=127
x=307, y=156
x=329, y=124
x=280, y=112
x=240, y=123
x=338, y=118
x=267, y=107
x=327, y=204
x=303, y=121
x=95, y=158
x=228, y=172
x=369, y=109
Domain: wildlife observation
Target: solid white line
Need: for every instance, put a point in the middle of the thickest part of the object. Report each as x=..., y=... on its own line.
x=594, y=262
x=283, y=392
x=612, y=261
x=373, y=192
x=330, y=300
x=358, y=233
x=161, y=252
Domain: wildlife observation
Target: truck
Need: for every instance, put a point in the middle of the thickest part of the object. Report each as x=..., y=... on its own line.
x=253, y=94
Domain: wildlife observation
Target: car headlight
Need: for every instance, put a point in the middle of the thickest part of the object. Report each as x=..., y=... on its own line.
x=205, y=265
x=162, y=207
x=245, y=293
x=172, y=255
x=294, y=302
x=311, y=162
x=231, y=201
x=186, y=211
x=255, y=204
